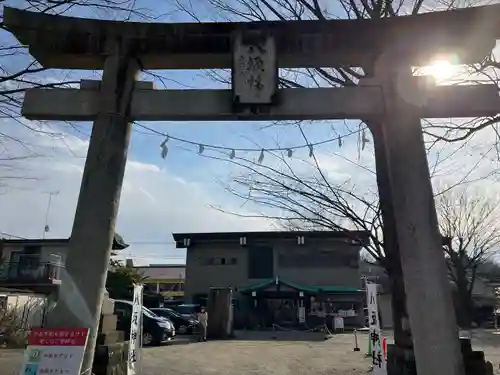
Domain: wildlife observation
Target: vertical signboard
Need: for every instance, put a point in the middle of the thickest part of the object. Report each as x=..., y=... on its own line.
x=54, y=351
x=135, y=339
x=378, y=358
x=255, y=71
x=302, y=314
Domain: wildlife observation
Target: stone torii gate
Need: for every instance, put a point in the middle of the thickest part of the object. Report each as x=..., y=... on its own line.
x=254, y=52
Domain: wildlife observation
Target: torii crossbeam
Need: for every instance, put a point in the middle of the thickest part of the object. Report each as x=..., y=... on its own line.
x=74, y=43
x=295, y=104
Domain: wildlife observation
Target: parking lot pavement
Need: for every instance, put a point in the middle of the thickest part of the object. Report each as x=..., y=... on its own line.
x=259, y=353
x=264, y=353
x=10, y=361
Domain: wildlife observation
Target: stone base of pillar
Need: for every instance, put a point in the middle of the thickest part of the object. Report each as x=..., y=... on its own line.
x=474, y=360
x=402, y=362
x=112, y=351
x=107, y=326
x=110, y=337
x=111, y=359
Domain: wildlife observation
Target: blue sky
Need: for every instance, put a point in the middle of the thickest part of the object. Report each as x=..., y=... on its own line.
x=65, y=150
x=175, y=194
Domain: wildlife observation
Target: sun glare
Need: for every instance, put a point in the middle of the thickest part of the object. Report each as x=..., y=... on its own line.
x=441, y=69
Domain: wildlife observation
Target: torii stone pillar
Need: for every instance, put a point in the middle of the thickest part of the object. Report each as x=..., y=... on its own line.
x=429, y=300
x=95, y=218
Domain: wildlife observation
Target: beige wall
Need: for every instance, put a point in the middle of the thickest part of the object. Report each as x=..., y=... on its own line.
x=338, y=276
x=200, y=277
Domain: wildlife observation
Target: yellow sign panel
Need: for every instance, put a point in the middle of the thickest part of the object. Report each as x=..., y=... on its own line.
x=173, y=294
x=163, y=281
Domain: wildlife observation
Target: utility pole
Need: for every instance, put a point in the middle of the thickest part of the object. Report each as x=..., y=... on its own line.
x=46, y=227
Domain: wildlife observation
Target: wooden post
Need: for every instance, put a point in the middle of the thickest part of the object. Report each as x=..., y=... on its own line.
x=429, y=300
x=84, y=279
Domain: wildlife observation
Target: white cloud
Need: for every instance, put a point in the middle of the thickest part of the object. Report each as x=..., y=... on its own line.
x=154, y=203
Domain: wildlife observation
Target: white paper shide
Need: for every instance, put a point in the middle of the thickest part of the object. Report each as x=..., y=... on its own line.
x=135, y=340
x=377, y=354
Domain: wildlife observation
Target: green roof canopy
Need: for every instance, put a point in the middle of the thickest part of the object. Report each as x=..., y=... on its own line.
x=299, y=287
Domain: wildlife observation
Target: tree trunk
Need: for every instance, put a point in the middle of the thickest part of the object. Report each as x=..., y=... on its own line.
x=465, y=304
x=392, y=262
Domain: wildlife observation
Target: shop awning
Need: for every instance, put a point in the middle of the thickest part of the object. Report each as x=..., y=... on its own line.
x=316, y=289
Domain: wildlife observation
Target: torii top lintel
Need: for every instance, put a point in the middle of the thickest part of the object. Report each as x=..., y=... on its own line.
x=78, y=43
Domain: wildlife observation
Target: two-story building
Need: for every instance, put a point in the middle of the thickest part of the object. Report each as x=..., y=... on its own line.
x=278, y=275
x=35, y=264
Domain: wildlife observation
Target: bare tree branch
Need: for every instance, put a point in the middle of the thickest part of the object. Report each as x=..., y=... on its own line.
x=19, y=72
x=469, y=222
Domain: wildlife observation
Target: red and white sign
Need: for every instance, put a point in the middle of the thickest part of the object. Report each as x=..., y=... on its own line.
x=55, y=351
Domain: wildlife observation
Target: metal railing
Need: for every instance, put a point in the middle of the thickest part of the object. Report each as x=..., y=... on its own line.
x=29, y=272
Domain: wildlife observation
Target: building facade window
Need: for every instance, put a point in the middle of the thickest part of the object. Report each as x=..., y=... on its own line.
x=209, y=261
x=260, y=262
x=317, y=258
x=220, y=261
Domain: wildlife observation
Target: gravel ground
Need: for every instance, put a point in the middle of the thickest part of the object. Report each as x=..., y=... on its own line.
x=256, y=353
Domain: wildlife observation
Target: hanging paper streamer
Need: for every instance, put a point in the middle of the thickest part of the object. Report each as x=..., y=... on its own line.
x=364, y=140
x=164, y=148
x=164, y=143
x=261, y=156
x=164, y=151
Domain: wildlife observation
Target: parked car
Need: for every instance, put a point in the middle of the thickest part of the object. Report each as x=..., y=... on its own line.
x=155, y=329
x=182, y=324
x=187, y=310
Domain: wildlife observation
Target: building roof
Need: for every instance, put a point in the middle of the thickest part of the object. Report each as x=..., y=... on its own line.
x=167, y=272
x=299, y=287
x=118, y=242
x=359, y=237
x=166, y=265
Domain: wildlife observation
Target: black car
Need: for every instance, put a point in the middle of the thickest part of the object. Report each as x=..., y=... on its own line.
x=182, y=324
x=155, y=329
x=188, y=311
